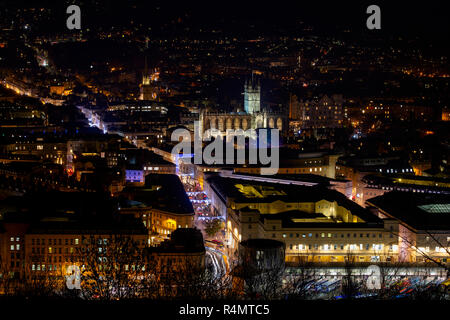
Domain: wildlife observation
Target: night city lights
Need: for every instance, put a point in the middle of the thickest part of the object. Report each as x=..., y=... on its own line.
x=225, y=160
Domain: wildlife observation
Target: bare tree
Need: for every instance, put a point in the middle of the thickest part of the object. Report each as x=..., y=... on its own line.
x=111, y=267
x=7, y=281
x=350, y=284
x=297, y=282
x=37, y=279
x=260, y=279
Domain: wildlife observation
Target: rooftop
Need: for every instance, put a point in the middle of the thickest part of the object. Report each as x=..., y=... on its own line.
x=161, y=191
x=419, y=211
x=68, y=213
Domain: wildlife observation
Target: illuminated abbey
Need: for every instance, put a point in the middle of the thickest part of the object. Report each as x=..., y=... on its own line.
x=251, y=118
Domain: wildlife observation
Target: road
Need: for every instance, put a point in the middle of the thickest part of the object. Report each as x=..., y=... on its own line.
x=216, y=259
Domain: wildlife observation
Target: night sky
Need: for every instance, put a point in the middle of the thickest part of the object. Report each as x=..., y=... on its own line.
x=423, y=19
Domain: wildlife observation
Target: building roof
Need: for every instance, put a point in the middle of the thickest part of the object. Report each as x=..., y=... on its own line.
x=70, y=213
x=182, y=240
x=416, y=210
x=299, y=219
x=265, y=192
x=161, y=191
x=139, y=158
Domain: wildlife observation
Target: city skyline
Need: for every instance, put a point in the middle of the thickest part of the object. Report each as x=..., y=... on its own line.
x=224, y=152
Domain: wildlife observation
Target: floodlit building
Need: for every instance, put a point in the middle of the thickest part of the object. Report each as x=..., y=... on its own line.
x=356, y=168
x=319, y=112
x=423, y=224
x=47, y=234
x=252, y=96
x=161, y=203
x=253, y=117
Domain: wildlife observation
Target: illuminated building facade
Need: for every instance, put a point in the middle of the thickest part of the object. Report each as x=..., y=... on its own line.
x=322, y=164
x=356, y=168
x=162, y=204
x=252, y=96
x=253, y=117
x=445, y=114
x=48, y=236
x=52, y=236
x=323, y=112
x=134, y=176
x=318, y=163
x=39, y=148
x=314, y=222
x=242, y=121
